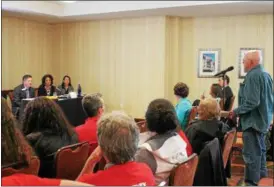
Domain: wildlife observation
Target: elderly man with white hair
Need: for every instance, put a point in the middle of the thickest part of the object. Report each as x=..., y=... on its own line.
x=255, y=111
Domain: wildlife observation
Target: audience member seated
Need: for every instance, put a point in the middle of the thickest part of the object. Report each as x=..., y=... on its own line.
x=183, y=106
x=16, y=153
x=118, y=137
x=47, y=88
x=216, y=92
x=93, y=106
x=162, y=148
x=65, y=87
x=207, y=127
x=47, y=130
x=224, y=82
x=22, y=91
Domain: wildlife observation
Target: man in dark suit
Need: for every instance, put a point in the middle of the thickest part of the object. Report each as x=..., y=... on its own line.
x=224, y=81
x=22, y=91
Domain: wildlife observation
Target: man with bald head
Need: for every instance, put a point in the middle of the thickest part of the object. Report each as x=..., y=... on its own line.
x=255, y=111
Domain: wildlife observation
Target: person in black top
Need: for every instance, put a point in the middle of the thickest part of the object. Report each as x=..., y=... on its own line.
x=47, y=129
x=22, y=91
x=46, y=88
x=224, y=81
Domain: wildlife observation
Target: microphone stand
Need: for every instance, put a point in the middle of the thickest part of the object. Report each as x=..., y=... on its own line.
x=223, y=77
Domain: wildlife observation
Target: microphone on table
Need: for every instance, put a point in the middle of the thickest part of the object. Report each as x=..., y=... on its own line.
x=224, y=71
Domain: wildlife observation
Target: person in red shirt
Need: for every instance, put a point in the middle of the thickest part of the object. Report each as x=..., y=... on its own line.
x=118, y=137
x=21, y=179
x=93, y=106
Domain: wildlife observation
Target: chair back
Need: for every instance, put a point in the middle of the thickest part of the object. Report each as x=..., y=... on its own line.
x=33, y=168
x=11, y=96
x=92, y=147
x=228, y=143
x=192, y=114
x=142, y=126
x=69, y=160
x=266, y=182
x=183, y=175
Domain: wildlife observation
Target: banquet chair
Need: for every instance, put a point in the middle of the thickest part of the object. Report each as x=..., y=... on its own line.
x=32, y=169
x=228, y=142
x=69, y=160
x=183, y=174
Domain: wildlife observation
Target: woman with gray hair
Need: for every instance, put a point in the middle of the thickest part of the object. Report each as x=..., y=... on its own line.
x=118, y=137
x=208, y=126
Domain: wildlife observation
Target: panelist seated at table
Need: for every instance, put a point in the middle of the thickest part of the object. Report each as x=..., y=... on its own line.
x=47, y=88
x=22, y=91
x=65, y=87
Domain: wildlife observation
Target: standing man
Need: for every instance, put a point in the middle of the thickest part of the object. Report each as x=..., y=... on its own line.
x=22, y=91
x=255, y=111
x=224, y=83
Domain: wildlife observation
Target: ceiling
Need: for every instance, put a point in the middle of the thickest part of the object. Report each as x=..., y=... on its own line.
x=56, y=11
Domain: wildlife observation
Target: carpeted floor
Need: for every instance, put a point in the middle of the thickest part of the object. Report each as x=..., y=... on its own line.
x=238, y=170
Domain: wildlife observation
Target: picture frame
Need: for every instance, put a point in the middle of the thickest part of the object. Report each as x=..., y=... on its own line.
x=208, y=62
x=242, y=52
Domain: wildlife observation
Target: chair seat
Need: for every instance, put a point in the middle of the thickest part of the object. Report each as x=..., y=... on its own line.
x=266, y=182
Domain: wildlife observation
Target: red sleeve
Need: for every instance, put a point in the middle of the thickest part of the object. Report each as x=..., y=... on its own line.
x=28, y=180
x=188, y=145
x=87, y=178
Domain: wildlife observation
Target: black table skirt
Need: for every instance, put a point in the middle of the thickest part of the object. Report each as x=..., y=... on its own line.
x=72, y=109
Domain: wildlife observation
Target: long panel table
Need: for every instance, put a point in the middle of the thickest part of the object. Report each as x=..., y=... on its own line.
x=72, y=109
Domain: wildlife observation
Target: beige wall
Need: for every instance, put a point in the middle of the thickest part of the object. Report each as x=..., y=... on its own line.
x=132, y=61
x=123, y=59
x=26, y=48
x=228, y=33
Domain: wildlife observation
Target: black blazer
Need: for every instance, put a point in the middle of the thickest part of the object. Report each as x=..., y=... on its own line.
x=18, y=95
x=43, y=92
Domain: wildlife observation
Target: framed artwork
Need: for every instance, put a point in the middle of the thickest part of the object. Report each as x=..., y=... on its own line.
x=242, y=53
x=208, y=62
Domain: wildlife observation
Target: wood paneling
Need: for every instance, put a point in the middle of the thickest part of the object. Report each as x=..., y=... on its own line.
x=26, y=48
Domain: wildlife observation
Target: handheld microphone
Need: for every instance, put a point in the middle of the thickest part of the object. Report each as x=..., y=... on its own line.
x=224, y=71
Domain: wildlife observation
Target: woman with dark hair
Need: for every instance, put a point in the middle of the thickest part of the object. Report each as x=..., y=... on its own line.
x=47, y=130
x=16, y=153
x=216, y=92
x=183, y=106
x=47, y=88
x=162, y=148
x=66, y=86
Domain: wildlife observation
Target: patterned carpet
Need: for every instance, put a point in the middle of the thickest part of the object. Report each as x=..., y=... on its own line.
x=238, y=170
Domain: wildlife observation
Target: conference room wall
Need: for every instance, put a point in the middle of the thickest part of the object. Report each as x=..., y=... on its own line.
x=186, y=35
x=123, y=59
x=26, y=48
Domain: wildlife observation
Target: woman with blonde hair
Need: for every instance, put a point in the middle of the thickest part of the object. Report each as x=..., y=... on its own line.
x=208, y=126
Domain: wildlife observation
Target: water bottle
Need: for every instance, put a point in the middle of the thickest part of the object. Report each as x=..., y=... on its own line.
x=79, y=91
